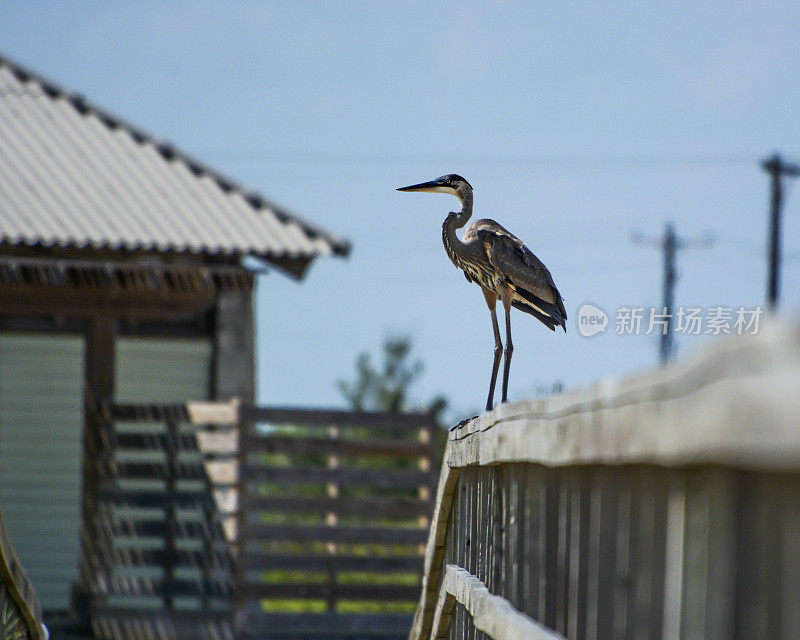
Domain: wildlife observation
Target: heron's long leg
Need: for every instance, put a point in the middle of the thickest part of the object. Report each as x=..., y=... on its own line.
x=505, y=296
x=491, y=300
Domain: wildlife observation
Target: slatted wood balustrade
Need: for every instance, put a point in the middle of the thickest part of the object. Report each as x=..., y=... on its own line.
x=665, y=506
x=156, y=557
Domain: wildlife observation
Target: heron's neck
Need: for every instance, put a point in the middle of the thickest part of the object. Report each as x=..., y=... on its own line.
x=452, y=243
x=456, y=220
x=466, y=205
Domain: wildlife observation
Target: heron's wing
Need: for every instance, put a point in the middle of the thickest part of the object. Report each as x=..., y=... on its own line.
x=527, y=275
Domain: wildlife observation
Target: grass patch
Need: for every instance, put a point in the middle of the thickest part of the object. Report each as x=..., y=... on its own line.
x=293, y=606
x=361, y=606
x=363, y=577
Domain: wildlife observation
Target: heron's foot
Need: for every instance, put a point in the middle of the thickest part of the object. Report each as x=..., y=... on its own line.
x=462, y=423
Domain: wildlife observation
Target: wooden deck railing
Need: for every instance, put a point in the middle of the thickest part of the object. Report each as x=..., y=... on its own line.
x=663, y=506
x=21, y=611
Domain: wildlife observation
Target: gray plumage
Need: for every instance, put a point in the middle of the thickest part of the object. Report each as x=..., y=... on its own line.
x=501, y=264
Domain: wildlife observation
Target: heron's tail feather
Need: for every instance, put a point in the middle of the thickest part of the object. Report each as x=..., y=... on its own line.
x=550, y=315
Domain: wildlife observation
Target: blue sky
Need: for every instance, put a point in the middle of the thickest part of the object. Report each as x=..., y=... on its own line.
x=577, y=123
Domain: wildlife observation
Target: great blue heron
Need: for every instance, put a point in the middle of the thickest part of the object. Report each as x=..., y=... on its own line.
x=501, y=264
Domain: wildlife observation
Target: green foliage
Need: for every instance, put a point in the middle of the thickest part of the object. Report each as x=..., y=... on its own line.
x=386, y=387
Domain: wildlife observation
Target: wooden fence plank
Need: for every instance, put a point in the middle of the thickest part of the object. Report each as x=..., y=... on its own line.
x=326, y=625
x=560, y=586
x=153, y=470
x=321, y=591
x=301, y=445
x=709, y=569
x=673, y=556
x=136, y=624
x=788, y=551
x=657, y=571
x=148, y=412
x=401, y=423
x=158, y=528
x=150, y=585
x=602, y=550
x=579, y=547
x=259, y=561
x=138, y=557
x=153, y=499
x=642, y=584
x=491, y=613
x=548, y=549
x=368, y=478
x=370, y=507
x=155, y=442
x=258, y=532
x=622, y=557
x=216, y=413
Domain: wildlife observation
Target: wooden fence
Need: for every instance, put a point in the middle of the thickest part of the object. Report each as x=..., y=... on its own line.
x=664, y=506
x=333, y=517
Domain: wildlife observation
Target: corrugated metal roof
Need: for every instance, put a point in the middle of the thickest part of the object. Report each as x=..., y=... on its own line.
x=73, y=175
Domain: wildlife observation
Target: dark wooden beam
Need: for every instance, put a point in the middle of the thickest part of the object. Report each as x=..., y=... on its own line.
x=298, y=533
x=320, y=591
x=262, y=561
x=368, y=506
x=234, y=363
x=328, y=626
x=37, y=301
x=98, y=389
x=99, y=361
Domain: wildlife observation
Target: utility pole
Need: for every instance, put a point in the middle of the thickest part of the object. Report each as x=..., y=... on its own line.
x=669, y=243
x=776, y=168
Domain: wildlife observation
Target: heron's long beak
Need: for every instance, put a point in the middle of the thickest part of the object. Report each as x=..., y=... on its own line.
x=432, y=186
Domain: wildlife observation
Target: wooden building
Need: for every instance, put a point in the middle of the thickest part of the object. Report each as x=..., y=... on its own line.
x=121, y=281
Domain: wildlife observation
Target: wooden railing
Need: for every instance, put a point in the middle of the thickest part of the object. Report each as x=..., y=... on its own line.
x=21, y=612
x=663, y=506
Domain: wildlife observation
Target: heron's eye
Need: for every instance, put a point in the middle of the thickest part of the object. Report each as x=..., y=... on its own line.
x=448, y=181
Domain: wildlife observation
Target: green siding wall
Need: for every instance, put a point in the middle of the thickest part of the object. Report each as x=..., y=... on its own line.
x=155, y=370
x=41, y=424
x=41, y=421
x=165, y=370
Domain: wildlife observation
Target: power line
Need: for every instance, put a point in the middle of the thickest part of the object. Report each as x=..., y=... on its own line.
x=776, y=168
x=669, y=243
x=567, y=160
